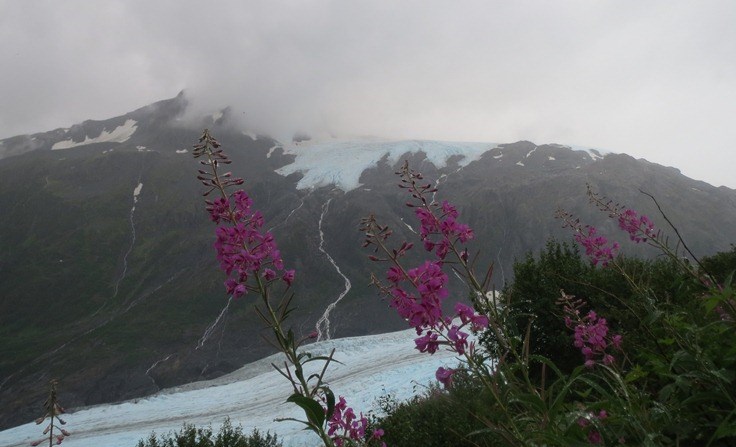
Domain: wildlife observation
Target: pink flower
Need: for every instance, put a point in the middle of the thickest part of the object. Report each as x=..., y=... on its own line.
x=591, y=336
x=394, y=274
x=459, y=338
x=597, y=247
x=288, y=277
x=594, y=437
x=468, y=315
x=640, y=228
x=344, y=423
x=444, y=376
x=427, y=343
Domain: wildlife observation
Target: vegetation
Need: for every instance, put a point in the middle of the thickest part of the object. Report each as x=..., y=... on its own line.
x=606, y=350
x=673, y=382
x=53, y=433
x=227, y=436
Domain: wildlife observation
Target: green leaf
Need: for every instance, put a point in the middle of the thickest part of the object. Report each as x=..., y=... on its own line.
x=635, y=374
x=312, y=409
x=321, y=357
x=330, y=397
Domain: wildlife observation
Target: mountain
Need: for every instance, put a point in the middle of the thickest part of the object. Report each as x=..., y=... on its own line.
x=107, y=270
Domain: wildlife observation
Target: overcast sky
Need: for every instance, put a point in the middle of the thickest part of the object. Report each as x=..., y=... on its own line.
x=654, y=79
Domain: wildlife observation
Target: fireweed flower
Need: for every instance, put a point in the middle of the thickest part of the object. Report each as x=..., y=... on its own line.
x=346, y=425
x=244, y=250
x=417, y=293
x=591, y=334
x=422, y=307
x=444, y=376
x=640, y=228
x=596, y=247
x=438, y=233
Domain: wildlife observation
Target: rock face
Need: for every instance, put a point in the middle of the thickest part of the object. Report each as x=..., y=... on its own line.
x=107, y=274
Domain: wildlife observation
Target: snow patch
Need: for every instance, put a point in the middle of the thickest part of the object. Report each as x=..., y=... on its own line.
x=137, y=192
x=520, y=163
x=498, y=156
x=252, y=136
x=348, y=159
x=181, y=151
x=216, y=116
x=551, y=158
x=118, y=135
x=530, y=152
x=270, y=151
x=594, y=154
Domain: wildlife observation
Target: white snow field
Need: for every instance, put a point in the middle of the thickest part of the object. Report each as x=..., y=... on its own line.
x=254, y=396
x=348, y=159
x=120, y=134
x=341, y=162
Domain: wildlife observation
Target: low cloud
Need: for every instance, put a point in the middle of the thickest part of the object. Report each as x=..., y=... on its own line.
x=653, y=79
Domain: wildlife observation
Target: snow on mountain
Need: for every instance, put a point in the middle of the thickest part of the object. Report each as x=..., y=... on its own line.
x=118, y=135
x=255, y=395
x=594, y=154
x=340, y=163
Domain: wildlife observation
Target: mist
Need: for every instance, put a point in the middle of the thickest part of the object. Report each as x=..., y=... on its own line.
x=655, y=79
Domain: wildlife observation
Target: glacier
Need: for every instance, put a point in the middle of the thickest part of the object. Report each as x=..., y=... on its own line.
x=253, y=396
x=349, y=158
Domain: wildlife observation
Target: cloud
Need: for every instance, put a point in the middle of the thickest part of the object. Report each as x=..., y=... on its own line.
x=653, y=79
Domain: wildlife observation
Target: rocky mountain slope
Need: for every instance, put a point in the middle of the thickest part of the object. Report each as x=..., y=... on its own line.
x=107, y=275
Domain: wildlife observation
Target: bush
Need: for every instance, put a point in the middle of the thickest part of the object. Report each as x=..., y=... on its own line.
x=438, y=418
x=533, y=297
x=228, y=436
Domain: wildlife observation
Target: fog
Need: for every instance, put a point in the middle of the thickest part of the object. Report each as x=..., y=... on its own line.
x=653, y=79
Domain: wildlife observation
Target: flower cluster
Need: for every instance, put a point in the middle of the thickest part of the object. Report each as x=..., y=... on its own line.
x=591, y=333
x=423, y=311
x=439, y=232
x=242, y=248
x=596, y=246
x=444, y=376
x=422, y=307
x=639, y=227
x=345, y=424
x=417, y=293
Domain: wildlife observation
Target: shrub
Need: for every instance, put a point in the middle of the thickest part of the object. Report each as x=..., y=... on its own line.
x=228, y=436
